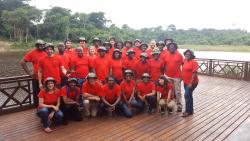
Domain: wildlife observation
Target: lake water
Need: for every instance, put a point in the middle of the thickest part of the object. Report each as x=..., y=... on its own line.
x=10, y=61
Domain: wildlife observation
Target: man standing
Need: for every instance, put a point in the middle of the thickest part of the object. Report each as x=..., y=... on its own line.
x=50, y=66
x=33, y=57
x=173, y=62
x=83, y=45
x=66, y=62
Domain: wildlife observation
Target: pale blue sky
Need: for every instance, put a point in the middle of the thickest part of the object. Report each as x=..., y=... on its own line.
x=218, y=14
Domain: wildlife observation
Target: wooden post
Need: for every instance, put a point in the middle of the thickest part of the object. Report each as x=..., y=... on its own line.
x=246, y=71
x=210, y=67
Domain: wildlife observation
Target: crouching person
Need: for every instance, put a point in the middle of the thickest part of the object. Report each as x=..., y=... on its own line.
x=111, y=98
x=49, y=102
x=70, y=101
x=165, y=96
x=146, y=93
x=91, y=90
x=128, y=93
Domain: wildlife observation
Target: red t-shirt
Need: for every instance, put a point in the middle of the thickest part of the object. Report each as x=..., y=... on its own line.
x=116, y=66
x=141, y=68
x=111, y=95
x=164, y=92
x=145, y=88
x=51, y=67
x=163, y=54
x=71, y=53
x=127, y=88
x=137, y=53
x=102, y=67
x=149, y=52
x=66, y=61
x=124, y=53
x=49, y=99
x=34, y=56
x=155, y=68
x=173, y=64
x=81, y=66
x=72, y=95
x=188, y=68
x=95, y=89
x=129, y=64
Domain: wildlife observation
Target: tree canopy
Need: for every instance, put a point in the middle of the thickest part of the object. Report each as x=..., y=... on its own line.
x=21, y=22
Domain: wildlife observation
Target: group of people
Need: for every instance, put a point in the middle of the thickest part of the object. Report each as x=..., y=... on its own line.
x=111, y=77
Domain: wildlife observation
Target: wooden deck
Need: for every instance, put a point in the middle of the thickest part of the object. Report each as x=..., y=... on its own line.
x=221, y=106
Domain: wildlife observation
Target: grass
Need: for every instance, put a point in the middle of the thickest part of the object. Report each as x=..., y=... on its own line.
x=225, y=48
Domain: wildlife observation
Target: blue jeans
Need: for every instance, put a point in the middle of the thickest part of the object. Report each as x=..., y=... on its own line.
x=43, y=113
x=151, y=101
x=189, y=98
x=80, y=81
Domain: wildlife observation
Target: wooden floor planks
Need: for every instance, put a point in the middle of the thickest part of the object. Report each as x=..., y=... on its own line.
x=221, y=106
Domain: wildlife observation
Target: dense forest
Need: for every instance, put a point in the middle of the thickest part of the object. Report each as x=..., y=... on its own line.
x=21, y=22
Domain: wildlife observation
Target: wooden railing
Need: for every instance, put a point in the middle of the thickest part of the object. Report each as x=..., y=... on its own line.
x=225, y=68
x=15, y=94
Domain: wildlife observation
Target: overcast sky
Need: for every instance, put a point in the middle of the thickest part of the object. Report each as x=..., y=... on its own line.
x=184, y=14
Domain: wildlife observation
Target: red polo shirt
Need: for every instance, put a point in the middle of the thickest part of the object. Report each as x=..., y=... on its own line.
x=72, y=95
x=34, y=56
x=51, y=67
x=128, y=87
x=188, y=68
x=141, y=68
x=95, y=89
x=111, y=95
x=81, y=65
x=129, y=64
x=173, y=64
x=145, y=88
x=155, y=68
x=49, y=99
x=66, y=61
x=164, y=91
x=102, y=67
x=116, y=66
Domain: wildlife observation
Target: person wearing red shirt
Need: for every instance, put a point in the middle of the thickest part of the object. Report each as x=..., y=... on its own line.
x=142, y=66
x=173, y=62
x=152, y=46
x=80, y=65
x=129, y=62
x=92, y=55
x=102, y=65
x=116, y=66
x=109, y=49
x=92, y=91
x=69, y=49
x=137, y=48
x=112, y=41
x=146, y=94
x=97, y=42
x=83, y=44
x=66, y=62
x=165, y=95
x=50, y=66
x=49, y=102
x=128, y=45
x=190, y=79
x=111, y=98
x=161, y=46
x=156, y=65
x=70, y=101
x=128, y=87
x=33, y=57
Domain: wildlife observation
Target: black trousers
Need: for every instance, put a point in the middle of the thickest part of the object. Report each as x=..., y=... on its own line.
x=71, y=112
x=36, y=90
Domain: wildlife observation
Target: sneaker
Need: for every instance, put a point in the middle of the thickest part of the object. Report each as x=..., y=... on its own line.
x=179, y=109
x=162, y=111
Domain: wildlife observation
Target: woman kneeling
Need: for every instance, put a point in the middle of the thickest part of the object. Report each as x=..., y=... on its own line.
x=49, y=102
